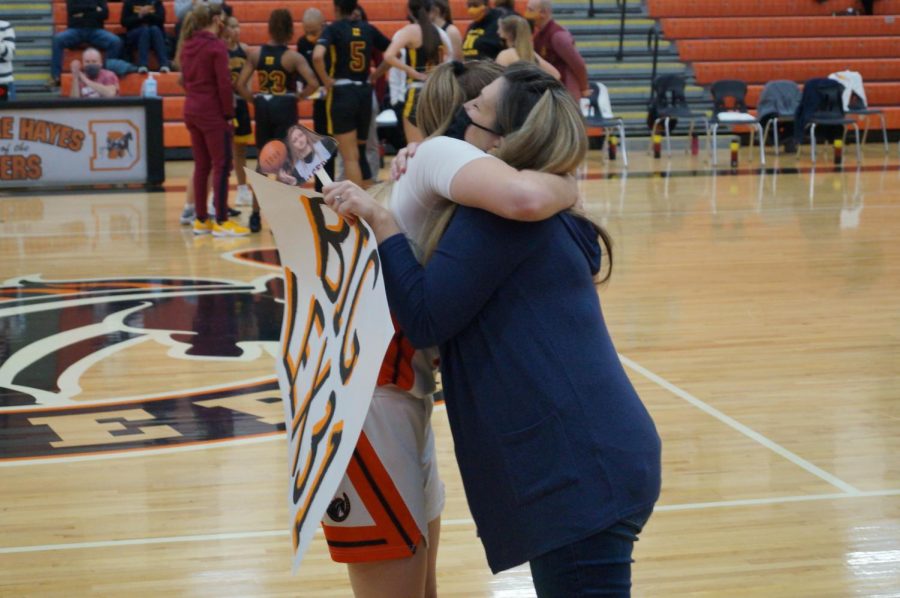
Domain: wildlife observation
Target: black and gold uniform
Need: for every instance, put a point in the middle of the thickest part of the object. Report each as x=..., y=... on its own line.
x=349, y=45
x=482, y=41
x=415, y=58
x=305, y=47
x=276, y=102
x=243, y=128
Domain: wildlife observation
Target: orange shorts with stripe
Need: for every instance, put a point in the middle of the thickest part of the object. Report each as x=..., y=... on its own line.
x=391, y=488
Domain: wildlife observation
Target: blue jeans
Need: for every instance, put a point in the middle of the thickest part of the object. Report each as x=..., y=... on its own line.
x=599, y=565
x=71, y=38
x=142, y=38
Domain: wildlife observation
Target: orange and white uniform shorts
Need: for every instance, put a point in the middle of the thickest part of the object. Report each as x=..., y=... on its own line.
x=391, y=488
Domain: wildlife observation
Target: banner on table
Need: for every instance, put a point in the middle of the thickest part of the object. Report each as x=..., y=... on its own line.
x=73, y=145
x=335, y=332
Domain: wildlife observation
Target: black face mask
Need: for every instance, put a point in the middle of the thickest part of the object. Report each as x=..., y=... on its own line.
x=92, y=71
x=461, y=122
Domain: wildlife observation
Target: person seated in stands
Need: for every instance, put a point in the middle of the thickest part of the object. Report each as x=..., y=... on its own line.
x=90, y=79
x=144, y=21
x=7, y=53
x=85, y=26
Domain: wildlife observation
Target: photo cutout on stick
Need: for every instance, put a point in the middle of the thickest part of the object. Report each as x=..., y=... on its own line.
x=295, y=159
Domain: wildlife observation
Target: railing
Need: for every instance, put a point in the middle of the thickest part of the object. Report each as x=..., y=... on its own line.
x=620, y=55
x=591, y=11
x=653, y=43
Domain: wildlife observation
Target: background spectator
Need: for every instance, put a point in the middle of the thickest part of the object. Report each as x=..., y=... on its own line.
x=144, y=21
x=90, y=79
x=482, y=41
x=557, y=46
x=85, y=26
x=516, y=34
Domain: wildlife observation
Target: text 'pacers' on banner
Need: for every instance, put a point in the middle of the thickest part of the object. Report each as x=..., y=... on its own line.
x=335, y=332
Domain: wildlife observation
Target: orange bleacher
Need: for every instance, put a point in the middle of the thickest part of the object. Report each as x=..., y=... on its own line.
x=388, y=15
x=767, y=8
x=797, y=40
x=786, y=27
x=719, y=50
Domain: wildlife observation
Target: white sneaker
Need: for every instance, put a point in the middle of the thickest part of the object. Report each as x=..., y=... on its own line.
x=244, y=196
x=187, y=215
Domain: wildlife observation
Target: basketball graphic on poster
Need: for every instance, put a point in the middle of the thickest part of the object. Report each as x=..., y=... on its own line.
x=272, y=156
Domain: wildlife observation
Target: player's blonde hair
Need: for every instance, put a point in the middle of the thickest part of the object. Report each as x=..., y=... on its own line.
x=518, y=32
x=448, y=87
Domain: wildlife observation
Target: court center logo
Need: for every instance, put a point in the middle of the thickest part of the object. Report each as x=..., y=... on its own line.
x=60, y=339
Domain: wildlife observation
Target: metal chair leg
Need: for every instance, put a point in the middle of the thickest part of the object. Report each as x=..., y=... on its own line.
x=762, y=146
x=858, y=146
x=812, y=142
x=774, y=122
x=623, y=143
x=714, y=158
x=865, y=119
x=884, y=138
x=668, y=138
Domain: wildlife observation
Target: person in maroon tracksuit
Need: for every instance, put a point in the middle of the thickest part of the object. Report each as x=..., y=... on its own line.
x=208, y=114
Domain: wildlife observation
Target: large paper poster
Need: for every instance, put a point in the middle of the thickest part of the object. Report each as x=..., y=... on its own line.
x=335, y=332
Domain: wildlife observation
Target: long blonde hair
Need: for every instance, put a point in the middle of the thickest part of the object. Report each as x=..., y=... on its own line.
x=518, y=31
x=448, y=87
x=543, y=129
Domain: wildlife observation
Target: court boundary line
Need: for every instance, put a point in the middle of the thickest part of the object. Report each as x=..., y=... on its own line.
x=742, y=428
x=250, y=535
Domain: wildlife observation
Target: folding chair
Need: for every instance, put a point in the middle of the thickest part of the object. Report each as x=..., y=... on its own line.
x=830, y=112
x=856, y=104
x=730, y=108
x=777, y=103
x=667, y=103
x=599, y=114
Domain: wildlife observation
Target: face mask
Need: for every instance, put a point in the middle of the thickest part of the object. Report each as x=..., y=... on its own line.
x=92, y=70
x=477, y=12
x=312, y=38
x=461, y=123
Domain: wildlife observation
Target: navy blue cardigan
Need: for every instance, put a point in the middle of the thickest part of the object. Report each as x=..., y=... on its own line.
x=551, y=439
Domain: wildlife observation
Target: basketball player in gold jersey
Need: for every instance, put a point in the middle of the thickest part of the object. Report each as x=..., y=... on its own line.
x=349, y=44
x=426, y=47
x=243, y=127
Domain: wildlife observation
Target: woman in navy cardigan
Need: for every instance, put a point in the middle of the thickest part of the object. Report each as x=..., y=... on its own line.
x=559, y=458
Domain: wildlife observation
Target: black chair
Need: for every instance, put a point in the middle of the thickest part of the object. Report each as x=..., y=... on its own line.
x=830, y=112
x=729, y=109
x=778, y=103
x=859, y=109
x=668, y=103
x=599, y=114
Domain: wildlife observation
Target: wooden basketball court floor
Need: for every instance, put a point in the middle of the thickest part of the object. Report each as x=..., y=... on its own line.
x=757, y=314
